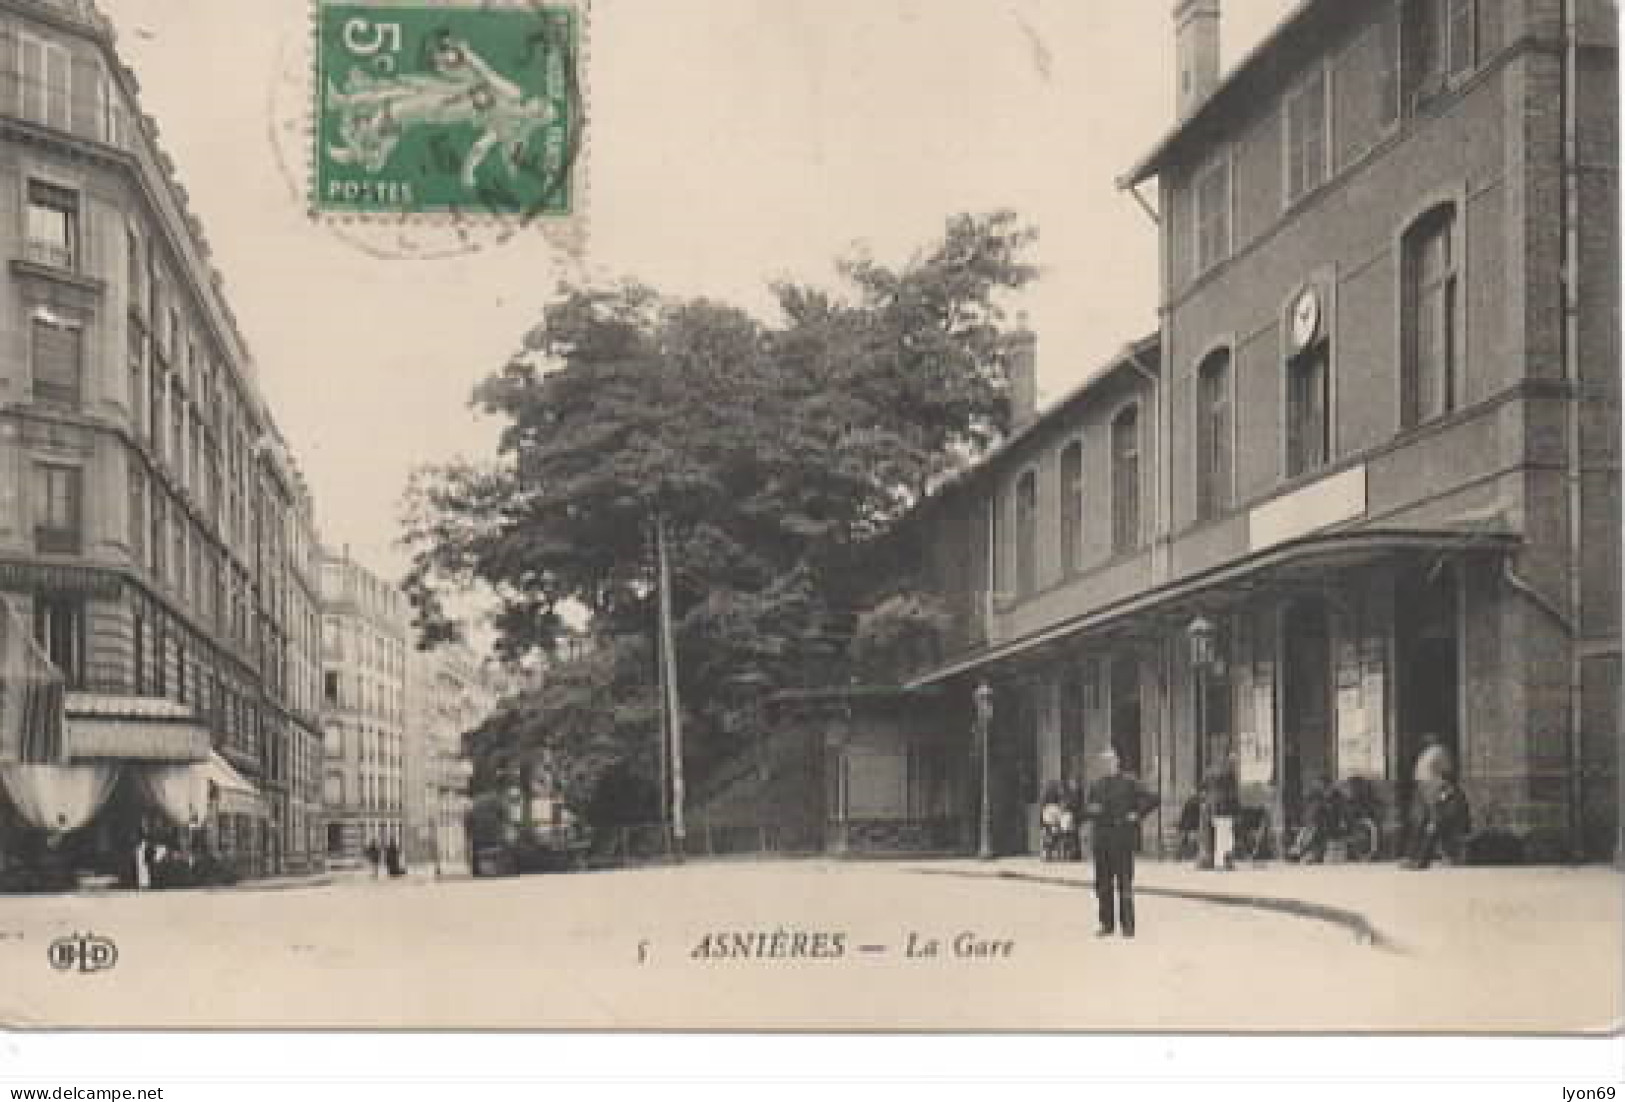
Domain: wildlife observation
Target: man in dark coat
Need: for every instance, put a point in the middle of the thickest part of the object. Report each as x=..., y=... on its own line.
x=1115, y=803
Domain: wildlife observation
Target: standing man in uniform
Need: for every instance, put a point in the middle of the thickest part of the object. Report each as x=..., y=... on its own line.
x=1115, y=803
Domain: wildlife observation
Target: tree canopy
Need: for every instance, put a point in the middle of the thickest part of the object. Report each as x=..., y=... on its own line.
x=770, y=454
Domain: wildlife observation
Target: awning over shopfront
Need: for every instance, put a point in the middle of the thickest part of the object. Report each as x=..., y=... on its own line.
x=1298, y=563
x=230, y=792
x=132, y=728
x=30, y=696
x=188, y=794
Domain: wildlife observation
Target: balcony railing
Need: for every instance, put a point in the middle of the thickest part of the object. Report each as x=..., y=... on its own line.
x=53, y=254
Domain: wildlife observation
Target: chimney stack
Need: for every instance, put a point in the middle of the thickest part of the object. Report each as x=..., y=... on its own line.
x=1021, y=363
x=1196, y=52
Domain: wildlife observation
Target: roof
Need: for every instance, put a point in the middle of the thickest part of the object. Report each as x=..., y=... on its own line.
x=1251, y=66
x=1145, y=352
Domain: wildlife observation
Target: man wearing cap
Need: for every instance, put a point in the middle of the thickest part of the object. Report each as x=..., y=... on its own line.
x=1115, y=803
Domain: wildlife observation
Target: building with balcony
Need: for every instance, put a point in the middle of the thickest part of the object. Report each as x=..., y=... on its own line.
x=1370, y=460
x=364, y=648
x=145, y=494
x=448, y=693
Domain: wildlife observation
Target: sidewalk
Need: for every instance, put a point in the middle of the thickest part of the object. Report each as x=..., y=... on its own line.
x=1577, y=910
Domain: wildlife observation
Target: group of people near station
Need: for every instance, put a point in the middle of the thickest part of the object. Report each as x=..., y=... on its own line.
x=1115, y=803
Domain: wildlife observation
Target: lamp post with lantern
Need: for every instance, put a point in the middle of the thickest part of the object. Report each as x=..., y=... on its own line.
x=1202, y=634
x=983, y=699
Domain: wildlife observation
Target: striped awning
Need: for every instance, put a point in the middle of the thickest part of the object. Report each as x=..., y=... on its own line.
x=30, y=696
x=230, y=793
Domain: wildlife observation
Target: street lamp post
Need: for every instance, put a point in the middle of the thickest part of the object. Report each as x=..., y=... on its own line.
x=983, y=697
x=1203, y=635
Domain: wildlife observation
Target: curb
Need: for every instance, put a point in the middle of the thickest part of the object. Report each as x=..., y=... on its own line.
x=1364, y=931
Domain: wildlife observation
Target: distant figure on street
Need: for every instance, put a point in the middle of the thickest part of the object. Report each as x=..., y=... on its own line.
x=1115, y=803
x=392, y=859
x=1219, y=799
x=375, y=858
x=143, y=874
x=1433, y=771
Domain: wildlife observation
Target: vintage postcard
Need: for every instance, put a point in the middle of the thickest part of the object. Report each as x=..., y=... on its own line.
x=810, y=515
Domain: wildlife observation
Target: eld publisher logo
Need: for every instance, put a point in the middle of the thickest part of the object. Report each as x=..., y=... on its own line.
x=83, y=953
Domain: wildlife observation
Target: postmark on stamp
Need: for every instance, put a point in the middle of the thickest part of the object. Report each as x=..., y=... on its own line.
x=459, y=107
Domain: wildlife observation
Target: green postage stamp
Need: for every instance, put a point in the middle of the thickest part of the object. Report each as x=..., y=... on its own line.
x=458, y=107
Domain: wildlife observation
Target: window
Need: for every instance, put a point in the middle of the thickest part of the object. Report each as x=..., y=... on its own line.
x=53, y=225
x=57, y=511
x=138, y=660
x=158, y=380
x=1308, y=414
x=1213, y=436
x=1389, y=59
x=59, y=628
x=1027, y=533
x=1429, y=359
x=138, y=380
x=182, y=574
x=1072, y=506
x=138, y=516
x=45, y=76
x=1441, y=42
x=1306, y=143
x=1126, y=480
x=58, y=359
x=137, y=277
x=1212, y=195
x=160, y=536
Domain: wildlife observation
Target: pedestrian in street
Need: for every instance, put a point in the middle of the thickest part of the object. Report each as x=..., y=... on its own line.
x=1219, y=799
x=143, y=873
x=375, y=857
x=392, y=858
x=1432, y=772
x=1115, y=804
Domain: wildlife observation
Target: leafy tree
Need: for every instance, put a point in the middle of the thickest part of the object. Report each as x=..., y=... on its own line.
x=770, y=455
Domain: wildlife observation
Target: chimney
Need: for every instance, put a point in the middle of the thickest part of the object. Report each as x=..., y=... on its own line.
x=1021, y=363
x=1196, y=52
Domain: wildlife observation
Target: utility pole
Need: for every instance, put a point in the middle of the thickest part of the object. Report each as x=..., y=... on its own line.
x=668, y=670
x=660, y=680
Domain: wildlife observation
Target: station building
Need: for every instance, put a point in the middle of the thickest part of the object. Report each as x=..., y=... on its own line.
x=1362, y=483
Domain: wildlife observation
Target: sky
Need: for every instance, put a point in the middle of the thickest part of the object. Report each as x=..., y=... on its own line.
x=732, y=143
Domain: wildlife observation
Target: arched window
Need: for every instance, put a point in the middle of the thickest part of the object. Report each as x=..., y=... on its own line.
x=1072, y=506
x=1126, y=480
x=1027, y=533
x=1213, y=435
x=1430, y=361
